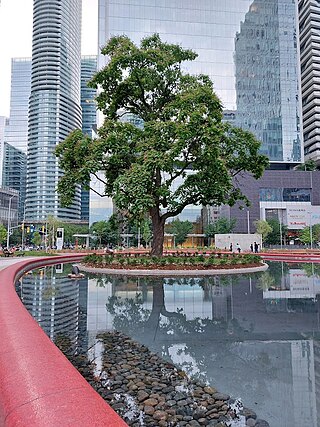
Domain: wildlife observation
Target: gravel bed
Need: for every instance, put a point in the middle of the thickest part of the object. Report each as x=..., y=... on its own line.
x=145, y=390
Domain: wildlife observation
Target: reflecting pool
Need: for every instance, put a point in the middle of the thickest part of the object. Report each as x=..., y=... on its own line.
x=255, y=336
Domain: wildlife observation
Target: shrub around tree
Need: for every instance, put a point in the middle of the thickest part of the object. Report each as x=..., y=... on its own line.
x=182, y=154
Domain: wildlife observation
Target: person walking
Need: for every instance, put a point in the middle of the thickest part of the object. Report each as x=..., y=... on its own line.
x=238, y=248
x=256, y=247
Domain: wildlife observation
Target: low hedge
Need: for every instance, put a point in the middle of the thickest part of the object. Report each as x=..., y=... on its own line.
x=213, y=260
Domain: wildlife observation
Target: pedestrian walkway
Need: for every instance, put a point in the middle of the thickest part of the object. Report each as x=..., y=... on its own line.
x=5, y=262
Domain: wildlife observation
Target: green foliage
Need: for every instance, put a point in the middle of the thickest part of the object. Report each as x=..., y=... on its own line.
x=220, y=226
x=311, y=269
x=106, y=231
x=309, y=165
x=16, y=236
x=143, y=227
x=183, y=154
x=263, y=228
x=3, y=233
x=274, y=237
x=120, y=260
x=305, y=234
x=36, y=239
x=52, y=223
x=180, y=229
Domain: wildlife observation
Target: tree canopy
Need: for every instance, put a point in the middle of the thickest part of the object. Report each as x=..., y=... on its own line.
x=180, y=229
x=263, y=228
x=220, y=226
x=107, y=232
x=3, y=234
x=181, y=154
x=278, y=232
x=305, y=234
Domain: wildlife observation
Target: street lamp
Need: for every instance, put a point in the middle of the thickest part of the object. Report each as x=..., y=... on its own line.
x=9, y=222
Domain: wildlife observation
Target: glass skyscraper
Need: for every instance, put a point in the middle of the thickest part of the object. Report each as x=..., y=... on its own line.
x=54, y=108
x=89, y=116
x=267, y=78
x=16, y=133
x=14, y=174
x=252, y=72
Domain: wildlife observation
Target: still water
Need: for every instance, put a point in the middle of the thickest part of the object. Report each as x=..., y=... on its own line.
x=255, y=336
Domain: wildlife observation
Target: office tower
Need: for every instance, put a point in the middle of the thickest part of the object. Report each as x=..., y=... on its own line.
x=267, y=79
x=309, y=15
x=3, y=124
x=54, y=108
x=16, y=133
x=251, y=70
x=89, y=115
x=14, y=174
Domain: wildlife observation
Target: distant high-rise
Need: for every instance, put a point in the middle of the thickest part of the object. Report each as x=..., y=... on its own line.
x=3, y=124
x=16, y=133
x=309, y=27
x=54, y=108
x=14, y=174
x=247, y=47
x=89, y=115
x=267, y=79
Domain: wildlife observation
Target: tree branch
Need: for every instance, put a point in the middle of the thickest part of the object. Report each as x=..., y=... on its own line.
x=97, y=192
x=99, y=179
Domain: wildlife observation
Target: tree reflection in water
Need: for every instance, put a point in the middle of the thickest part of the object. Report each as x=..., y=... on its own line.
x=198, y=342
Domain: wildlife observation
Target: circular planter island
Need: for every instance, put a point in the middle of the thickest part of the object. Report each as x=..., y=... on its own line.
x=173, y=264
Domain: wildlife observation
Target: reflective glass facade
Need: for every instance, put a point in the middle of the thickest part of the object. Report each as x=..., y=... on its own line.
x=266, y=68
x=17, y=131
x=88, y=105
x=14, y=174
x=248, y=48
x=89, y=115
x=3, y=123
x=285, y=194
x=54, y=109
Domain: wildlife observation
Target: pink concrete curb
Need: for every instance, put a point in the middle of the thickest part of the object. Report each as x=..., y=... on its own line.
x=39, y=387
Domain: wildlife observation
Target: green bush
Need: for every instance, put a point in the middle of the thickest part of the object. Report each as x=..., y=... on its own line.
x=182, y=258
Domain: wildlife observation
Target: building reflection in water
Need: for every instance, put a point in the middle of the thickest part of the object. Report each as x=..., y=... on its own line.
x=253, y=336
x=57, y=303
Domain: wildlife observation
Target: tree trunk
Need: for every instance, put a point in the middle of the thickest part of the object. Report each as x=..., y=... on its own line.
x=158, y=232
x=158, y=307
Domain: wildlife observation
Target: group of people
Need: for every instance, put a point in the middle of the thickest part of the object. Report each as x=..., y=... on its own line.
x=254, y=247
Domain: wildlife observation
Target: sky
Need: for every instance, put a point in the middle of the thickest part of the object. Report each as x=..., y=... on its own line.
x=16, y=38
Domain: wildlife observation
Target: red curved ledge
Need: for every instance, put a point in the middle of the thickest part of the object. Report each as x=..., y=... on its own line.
x=39, y=387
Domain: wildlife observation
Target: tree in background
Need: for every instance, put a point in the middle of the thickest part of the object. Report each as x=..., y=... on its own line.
x=141, y=230
x=182, y=154
x=263, y=228
x=309, y=165
x=180, y=229
x=220, y=226
x=107, y=232
x=305, y=234
x=3, y=235
x=36, y=239
x=278, y=231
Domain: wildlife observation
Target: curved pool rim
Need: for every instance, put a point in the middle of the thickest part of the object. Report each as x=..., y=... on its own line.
x=39, y=387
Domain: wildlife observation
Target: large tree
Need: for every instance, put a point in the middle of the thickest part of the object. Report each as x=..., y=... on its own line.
x=181, y=154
